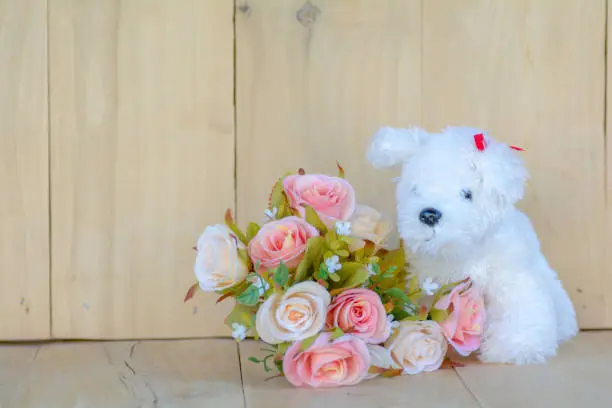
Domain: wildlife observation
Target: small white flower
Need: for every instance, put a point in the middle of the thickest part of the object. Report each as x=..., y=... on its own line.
x=343, y=228
x=271, y=214
x=333, y=264
x=238, y=331
x=392, y=323
x=371, y=271
x=260, y=284
x=429, y=286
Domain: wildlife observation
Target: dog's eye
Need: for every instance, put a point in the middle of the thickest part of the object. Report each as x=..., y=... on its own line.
x=466, y=194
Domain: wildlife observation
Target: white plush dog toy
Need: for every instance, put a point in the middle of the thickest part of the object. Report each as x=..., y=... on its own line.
x=456, y=215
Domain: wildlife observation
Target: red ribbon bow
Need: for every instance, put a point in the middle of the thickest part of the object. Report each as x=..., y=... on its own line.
x=481, y=143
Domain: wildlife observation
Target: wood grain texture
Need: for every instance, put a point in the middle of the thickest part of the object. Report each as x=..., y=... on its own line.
x=315, y=80
x=24, y=171
x=578, y=376
x=532, y=72
x=122, y=375
x=142, y=144
x=608, y=170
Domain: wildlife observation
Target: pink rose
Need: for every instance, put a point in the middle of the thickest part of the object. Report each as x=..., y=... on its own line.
x=331, y=197
x=464, y=325
x=282, y=240
x=344, y=361
x=361, y=313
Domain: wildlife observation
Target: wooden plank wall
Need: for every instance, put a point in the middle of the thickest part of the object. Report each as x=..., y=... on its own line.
x=533, y=73
x=145, y=145
x=142, y=158
x=315, y=80
x=24, y=171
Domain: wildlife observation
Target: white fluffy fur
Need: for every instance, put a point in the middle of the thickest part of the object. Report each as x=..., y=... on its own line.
x=488, y=239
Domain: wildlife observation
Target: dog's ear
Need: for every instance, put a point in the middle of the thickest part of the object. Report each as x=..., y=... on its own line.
x=391, y=146
x=501, y=170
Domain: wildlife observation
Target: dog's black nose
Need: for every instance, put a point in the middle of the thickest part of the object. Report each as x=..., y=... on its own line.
x=430, y=216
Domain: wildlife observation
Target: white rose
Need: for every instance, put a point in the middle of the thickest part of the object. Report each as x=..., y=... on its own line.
x=295, y=315
x=380, y=357
x=217, y=264
x=368, y=224
x=418, y=346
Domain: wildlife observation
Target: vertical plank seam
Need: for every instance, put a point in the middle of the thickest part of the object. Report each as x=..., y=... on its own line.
x=49, y=156
x=606, y=236
x=244, y=400
x=421, y=63
x=235, y=112
x=235, y=109
x=605, y=102
x=474, y=397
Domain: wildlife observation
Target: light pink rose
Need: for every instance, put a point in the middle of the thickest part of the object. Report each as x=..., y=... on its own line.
x=464, y=325
x=282, y=240
x=332, y=198
x=361, y=313
x=325, y=364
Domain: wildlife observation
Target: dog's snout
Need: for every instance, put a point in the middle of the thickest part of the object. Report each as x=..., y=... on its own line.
x=430, y=216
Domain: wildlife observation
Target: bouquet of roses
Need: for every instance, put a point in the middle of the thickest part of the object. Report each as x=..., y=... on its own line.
x=318, y=285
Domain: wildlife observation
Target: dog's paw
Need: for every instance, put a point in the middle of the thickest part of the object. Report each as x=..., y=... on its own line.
x=567, y=330
x=520, y=355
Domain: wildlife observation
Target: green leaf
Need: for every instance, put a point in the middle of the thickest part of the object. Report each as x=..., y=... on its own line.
x=389, y=273
x=393, y=262
x=399, y=314
x=369, y=248
x=279, y=365
x=398, y=294
x=359, y=255
x=252, y=230
x=375, y=268
x=336, y=333
x=282, y=348
x=322, y=272
x=277, y=196
x=284, y=210
x=254, y=360
x=281, y=275
x=414, y=285
x=229, y=221
x=236, y=289
x=244, y=257
x=334, y=277
x=352, y=274
x=249, y=297
x=438, y=315
x=241, y=314
x=331, y=237
x=342, y=252
x=307, y=342
x=312, y=258
x=313, y=219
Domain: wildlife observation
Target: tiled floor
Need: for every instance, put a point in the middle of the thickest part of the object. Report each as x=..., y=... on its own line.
x=207, y=373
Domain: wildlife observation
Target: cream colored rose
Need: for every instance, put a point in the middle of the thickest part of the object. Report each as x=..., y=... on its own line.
x=418, y=346
x=368, y=224
x=380, y=357
x=217, y=264
x=295, y=315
